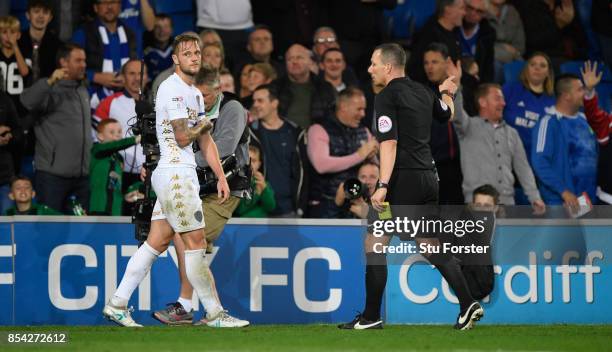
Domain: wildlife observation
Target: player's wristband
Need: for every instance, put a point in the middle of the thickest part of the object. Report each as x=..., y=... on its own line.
x=448, y=93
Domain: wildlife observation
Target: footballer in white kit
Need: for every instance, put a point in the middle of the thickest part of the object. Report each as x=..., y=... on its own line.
x=179, y=122
x=175, y=181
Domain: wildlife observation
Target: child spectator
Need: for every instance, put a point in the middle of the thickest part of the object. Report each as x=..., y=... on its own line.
x=106, y=168
x=12, y=63
x=37, y=44
x=13, y=68
x=39, y=47
x=262, y=202
x=23, y=193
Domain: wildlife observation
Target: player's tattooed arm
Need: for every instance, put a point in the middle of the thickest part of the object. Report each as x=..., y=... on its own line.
x=184, y=135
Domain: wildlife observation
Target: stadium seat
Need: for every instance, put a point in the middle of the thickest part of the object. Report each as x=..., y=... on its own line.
x=604, y=91
x=183, y=22
x=512, y=71
x=408, y=17
x=171, y=7
x=583, y=9
x=575, y=66
x=18, y=6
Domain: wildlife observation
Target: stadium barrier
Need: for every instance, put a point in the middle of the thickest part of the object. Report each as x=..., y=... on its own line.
x=61, y=271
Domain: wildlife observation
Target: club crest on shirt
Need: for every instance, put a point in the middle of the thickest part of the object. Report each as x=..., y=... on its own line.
x=384, y=124
x=192, y=114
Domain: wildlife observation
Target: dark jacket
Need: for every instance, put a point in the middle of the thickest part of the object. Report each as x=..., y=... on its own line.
x=8, y=117
x=430, y=33
x=47, y=51
x=485, y=51
x=323, y=99
x=601, y=17
x=62, y=125
x=444, y=141
x=299, y=165
x=543, y=34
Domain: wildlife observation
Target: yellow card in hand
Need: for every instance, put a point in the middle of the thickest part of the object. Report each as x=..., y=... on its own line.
x=386, y=213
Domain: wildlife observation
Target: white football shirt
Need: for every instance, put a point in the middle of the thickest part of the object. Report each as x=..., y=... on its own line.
x=176, y=100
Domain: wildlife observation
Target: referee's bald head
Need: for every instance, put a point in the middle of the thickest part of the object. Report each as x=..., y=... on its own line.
x=392, y=54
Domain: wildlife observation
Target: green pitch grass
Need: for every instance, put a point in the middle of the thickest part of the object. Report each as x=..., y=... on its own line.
x=324, y=338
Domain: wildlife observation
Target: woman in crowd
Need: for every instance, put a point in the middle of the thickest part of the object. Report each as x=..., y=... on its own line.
x=527, y=101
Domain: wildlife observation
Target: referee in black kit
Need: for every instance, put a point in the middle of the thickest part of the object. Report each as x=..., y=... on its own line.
x=404, y=110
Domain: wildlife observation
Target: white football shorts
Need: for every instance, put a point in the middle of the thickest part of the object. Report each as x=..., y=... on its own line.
x=178, y=198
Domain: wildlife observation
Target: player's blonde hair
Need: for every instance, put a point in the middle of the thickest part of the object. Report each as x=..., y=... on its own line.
x=9, y=22
x=185, y=38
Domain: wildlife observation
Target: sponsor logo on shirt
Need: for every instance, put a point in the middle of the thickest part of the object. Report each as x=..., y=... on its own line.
x=384, y=124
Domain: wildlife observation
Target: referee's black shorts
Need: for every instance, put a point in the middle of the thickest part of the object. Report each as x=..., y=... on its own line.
x=413, y=193
x=413, y=187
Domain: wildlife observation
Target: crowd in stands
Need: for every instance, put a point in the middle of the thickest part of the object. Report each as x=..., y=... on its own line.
x=530, y=119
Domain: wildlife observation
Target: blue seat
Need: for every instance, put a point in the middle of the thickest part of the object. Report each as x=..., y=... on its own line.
x=604, y=91
x=408, y=17
x=575, y=66
x=171, y=7
x=512, y=71
x=18, y=6
x=183, y=22
x=583, y=11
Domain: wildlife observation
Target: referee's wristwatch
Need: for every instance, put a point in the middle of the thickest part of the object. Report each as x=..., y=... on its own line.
x=380, y=184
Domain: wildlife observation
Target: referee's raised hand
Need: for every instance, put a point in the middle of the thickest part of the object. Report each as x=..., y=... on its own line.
x=448, y=85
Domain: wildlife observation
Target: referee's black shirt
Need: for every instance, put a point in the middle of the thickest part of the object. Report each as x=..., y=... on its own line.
x=404, y=110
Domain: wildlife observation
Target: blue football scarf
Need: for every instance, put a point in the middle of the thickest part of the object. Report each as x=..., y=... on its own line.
x=108, y=65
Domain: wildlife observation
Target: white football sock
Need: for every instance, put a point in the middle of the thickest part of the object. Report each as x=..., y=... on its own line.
x=186, y=303
x=201, y=279
x=137, y=268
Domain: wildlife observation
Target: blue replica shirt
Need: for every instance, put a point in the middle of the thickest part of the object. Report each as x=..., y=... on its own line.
x=130, y=16
x=583, y=154
x=157, y=60
x=564, y=157
x=468, y=44
x=524, y=109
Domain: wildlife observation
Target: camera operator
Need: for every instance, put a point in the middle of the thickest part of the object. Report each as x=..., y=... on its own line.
x=353, y=195
x=232, y=138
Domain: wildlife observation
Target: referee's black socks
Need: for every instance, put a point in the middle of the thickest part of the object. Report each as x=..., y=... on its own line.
x=375, y=282
x=450, y=269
